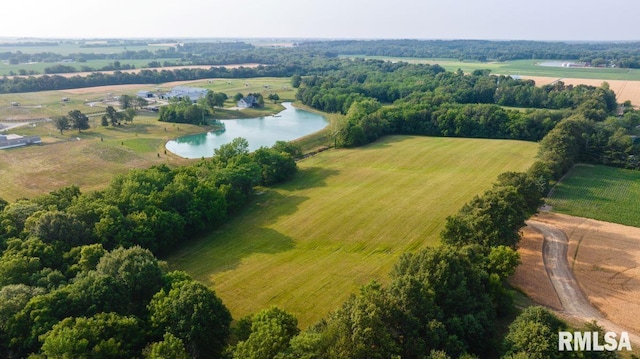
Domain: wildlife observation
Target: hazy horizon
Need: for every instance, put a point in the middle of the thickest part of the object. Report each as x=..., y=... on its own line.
x=543, y=20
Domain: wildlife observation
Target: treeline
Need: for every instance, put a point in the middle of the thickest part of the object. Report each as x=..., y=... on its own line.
x=379, y=98
x=55, y=82
x=621, y=54
x=68, y=288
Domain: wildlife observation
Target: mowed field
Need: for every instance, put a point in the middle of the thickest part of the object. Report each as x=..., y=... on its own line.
x=91, y=100
x=89, y=159
x=344, y=220
x=599, y=192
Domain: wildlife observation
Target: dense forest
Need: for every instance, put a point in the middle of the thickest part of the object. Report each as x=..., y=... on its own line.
x=79, y=276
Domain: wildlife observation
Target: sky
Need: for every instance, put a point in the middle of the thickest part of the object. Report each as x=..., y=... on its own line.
x=610, y=20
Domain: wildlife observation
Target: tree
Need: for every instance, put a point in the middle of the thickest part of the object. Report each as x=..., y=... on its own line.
x=139, y=102
x=225, y=153
x=105, y=335
x=193, y=313
x=136, y=270
x=215, y=99
x=296, y=80
x=79, y=120
x=125, y=101
x=104, y=121
x=273, y=97
x=112, y=115
x=237, y=97
x=535, y=332
x=170, y=347
x=61, y=123
x=129, y=114
x=271, y=331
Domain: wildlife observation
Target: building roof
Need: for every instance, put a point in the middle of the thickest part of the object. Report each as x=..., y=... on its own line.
x=183, y=91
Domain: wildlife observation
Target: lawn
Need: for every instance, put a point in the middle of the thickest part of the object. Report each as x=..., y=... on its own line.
x=344, y=220
x=89, y=159
x=91, y=100
x=599, y=192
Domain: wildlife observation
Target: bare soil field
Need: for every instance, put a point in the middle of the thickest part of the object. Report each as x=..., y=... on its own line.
x=605, y=260
x=625, y=90
x=531, y=276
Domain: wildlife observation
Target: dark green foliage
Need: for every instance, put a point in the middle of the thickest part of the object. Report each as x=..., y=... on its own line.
x=193, y=313
x=61, y=123
x=105, y=335
x=275, y=166
x=79, y=120
x=493, y=219
x=215, y=99
x=535, y=333
x=170, y=347
x=183, y=111
x=270, y=333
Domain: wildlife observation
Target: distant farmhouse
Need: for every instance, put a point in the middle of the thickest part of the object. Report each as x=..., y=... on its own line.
x=9, y=141
x=248, y=102
x=180, y=92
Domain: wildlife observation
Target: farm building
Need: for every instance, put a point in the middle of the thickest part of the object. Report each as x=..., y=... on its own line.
x=180, y=92
x=9, y=141
x=248, y=102
x=145, y=94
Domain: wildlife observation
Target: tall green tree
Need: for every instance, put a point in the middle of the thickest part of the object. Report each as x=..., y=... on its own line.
x=271, y=331
x=79, y=120
x=193, y=313
x=61, y=123
x=105, y=335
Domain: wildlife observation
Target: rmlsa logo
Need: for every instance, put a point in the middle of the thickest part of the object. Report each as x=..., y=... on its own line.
x=591, y=341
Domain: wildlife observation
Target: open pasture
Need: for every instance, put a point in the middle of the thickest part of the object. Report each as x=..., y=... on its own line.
x=344, y=220
x=524, y=68
x=46, y=104
x=599, y=192
x=89, y=159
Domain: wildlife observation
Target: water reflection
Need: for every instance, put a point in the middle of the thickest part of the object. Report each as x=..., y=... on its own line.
x=287, y=125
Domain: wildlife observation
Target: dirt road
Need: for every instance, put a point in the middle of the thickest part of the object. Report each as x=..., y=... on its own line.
x=574, y=303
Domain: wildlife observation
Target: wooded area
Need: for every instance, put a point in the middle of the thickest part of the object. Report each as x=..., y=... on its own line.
x=79, y=276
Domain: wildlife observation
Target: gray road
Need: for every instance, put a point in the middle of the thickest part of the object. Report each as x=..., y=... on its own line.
x=574, y=302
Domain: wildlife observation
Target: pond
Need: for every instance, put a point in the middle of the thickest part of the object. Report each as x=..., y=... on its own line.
x=290, y=124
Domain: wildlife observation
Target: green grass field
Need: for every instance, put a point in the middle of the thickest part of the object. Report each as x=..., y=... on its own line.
x=49, y=103
x=599, y=192
x=524, y=68
x=344, y=220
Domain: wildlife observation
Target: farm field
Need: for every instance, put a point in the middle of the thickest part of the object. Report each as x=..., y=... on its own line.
x=604, y=259
x=524, y=68
x=599, y=192
x=343, y=221
x=45, y=104
x=7, y=69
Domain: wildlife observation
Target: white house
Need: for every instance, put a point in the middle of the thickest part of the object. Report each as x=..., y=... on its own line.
x=248, y=102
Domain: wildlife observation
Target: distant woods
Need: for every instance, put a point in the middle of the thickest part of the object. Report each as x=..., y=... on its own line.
x=305, y=58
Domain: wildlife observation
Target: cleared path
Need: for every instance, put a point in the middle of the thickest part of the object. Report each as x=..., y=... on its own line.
x=574, y=302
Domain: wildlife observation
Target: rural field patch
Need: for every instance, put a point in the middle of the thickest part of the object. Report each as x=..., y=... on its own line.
x=344, y=220
x=603, y=257
x=599, y=192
